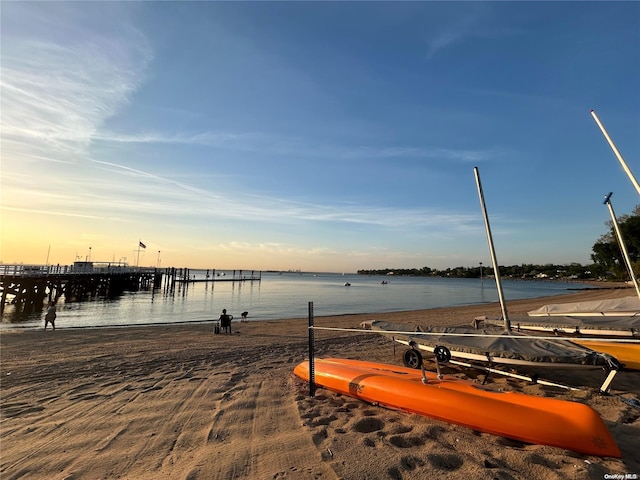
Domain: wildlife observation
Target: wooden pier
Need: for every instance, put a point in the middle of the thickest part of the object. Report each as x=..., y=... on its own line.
x=184, y=276
x=31, y=286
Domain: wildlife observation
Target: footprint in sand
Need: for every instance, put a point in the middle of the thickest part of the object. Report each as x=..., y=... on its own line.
x=336, y=401
x=536, y=459
x=434, y=432
x=368, y=425
x=323, y=421
x=508, y=442
x=447, y=462
x=319, y=437
x=394, y=473
x=406, y=441
x=410, y=463
x=400, y=429
x=311, y=414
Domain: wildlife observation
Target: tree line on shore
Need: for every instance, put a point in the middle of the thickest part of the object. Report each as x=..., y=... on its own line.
x=608, y=260
x=524, y=271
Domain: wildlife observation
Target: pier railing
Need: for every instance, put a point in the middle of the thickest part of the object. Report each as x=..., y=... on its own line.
x=78, y=268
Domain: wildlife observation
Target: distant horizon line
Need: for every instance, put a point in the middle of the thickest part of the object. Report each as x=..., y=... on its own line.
x=300, y=271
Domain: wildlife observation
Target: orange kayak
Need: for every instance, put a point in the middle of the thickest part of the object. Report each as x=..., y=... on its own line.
x=545, y=421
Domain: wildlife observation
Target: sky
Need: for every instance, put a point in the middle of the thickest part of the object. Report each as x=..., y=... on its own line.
x=319, y=136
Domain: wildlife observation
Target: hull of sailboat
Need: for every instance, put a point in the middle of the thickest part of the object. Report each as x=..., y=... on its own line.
x=626, y=353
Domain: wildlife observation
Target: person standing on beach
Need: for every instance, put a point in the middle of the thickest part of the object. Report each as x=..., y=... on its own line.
x=225, y=321
x=50, y=317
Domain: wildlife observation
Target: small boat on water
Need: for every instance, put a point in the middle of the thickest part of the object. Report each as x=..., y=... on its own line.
x=539, y=420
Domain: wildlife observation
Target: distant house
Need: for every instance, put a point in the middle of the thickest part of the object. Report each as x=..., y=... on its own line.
x=83, y=267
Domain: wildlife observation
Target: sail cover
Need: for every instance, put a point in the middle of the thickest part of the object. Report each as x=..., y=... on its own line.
x=616, y=307
x=506, y=346
x=591, y=326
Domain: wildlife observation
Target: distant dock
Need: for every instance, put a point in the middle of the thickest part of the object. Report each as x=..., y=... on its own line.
x=31, y=286
x=184, y=276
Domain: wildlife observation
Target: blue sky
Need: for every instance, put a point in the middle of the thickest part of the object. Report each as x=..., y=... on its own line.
x=325, y=136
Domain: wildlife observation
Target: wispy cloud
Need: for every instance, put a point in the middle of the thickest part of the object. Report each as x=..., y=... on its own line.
x=476, y=22
x=451, y=34
x=170, y=202
x=275, y=144
x=52, y=212
x=59, y=86
x=59, y=90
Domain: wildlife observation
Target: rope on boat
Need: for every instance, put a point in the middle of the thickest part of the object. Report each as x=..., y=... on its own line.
x=632, y=402
x=481, y=335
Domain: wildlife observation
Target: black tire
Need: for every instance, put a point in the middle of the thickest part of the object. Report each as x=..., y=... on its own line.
x=443, y=354
x=412, y=358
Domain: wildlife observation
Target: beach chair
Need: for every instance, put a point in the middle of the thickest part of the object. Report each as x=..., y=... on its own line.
x=225, y=323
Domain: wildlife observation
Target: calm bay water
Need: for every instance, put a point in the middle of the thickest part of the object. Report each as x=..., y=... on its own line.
x=282, y=296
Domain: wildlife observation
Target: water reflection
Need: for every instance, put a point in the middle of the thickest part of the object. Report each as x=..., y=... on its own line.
x=280, y=296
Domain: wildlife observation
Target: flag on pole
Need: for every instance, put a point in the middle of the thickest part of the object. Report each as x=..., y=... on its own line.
x=142, y=245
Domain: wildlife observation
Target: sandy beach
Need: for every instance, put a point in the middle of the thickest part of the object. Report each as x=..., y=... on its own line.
x=178, y=402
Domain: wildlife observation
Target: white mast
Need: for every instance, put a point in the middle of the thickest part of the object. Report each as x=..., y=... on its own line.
x=496, y=269
x=623, y=248
x=616, y=152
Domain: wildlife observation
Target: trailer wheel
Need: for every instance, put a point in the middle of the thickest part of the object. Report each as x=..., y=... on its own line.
x=443, y=354
x=412, y=358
